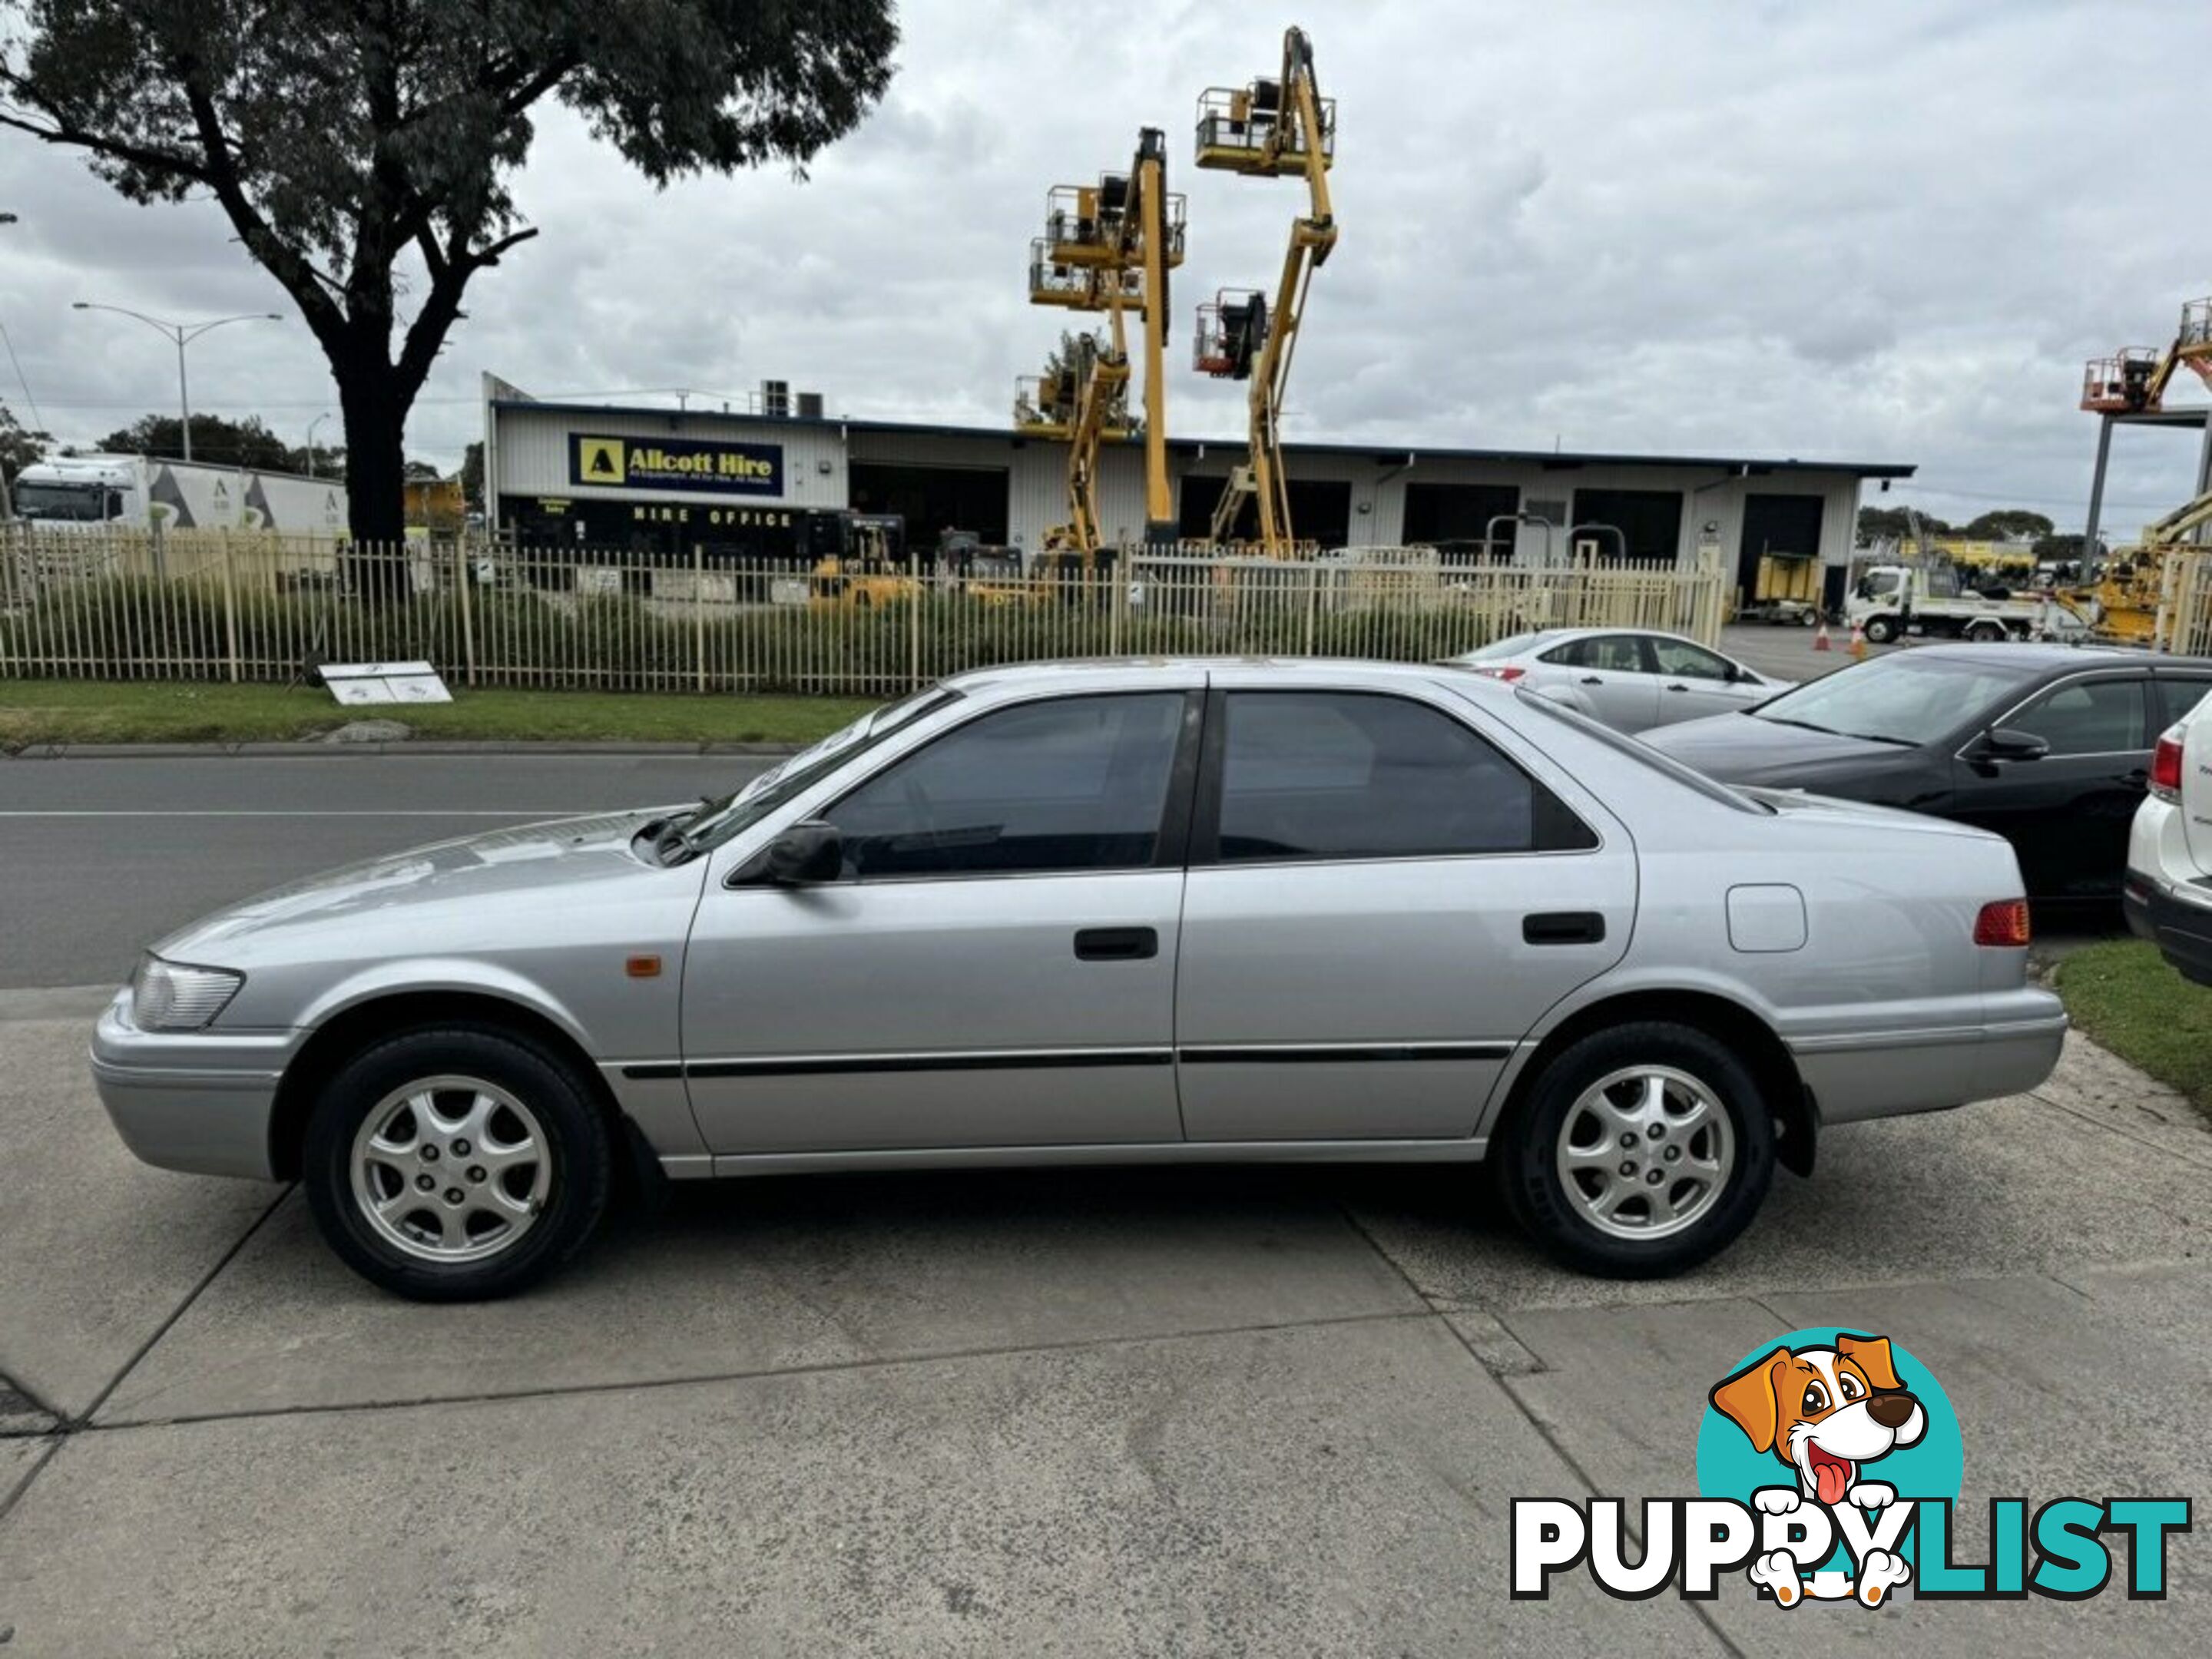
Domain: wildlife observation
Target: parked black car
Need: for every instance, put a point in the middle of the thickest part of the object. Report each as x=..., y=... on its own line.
x=2047, y=744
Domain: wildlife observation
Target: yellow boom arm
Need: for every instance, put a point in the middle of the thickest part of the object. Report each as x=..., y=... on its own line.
x=1298, y=133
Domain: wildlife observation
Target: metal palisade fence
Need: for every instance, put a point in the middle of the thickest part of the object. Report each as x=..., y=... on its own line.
x=218, y=606
x=2183, y=622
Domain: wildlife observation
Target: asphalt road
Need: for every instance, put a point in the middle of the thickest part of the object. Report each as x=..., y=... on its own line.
x=1789, y=652
x=100, y=858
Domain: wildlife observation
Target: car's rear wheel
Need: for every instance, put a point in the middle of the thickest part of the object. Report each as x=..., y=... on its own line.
x=456, y=1165
x=1639, y=1151
x=1986, y=633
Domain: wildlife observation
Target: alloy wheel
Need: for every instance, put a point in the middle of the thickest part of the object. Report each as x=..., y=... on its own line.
x=1644, y=1152
x=451, y=1169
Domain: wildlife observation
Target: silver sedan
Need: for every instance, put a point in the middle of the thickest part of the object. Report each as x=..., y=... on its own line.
x=1093, y=913
x=1631, y=678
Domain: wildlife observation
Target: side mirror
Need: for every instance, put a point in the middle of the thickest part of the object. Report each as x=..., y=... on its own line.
x=802, y=855
x=2006, y=743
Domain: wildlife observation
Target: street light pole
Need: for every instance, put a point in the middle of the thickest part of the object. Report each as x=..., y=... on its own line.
x=184, y=334
x=312, y=425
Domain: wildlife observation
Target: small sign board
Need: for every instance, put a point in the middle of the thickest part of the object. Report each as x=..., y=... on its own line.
x=352, y=683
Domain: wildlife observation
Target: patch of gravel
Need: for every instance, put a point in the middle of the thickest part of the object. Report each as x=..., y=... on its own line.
x=370, y=731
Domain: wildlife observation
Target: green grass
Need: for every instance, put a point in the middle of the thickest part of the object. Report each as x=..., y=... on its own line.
x=87, y=711
x=2122, y=995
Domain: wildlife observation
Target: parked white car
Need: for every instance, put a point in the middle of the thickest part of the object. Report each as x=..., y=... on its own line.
x=2167, y=891
x=1627, y=677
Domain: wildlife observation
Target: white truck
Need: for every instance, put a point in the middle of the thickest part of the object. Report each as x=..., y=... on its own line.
x=89, y=493
x=1889, y=599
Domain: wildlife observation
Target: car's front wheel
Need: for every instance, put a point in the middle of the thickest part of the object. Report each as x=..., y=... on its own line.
x=457, y=1164
x=1639, y=1151
x=1881, y=631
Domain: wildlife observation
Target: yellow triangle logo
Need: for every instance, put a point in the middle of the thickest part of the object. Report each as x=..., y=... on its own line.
x=604, y=460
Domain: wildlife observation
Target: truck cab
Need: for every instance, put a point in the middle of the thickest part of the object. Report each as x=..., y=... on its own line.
x=79, y=495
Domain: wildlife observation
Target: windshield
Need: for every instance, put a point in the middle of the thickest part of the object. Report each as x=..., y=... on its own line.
x=1909, y=698
x=80, y=503
x=1513, y=645
x=726, y=818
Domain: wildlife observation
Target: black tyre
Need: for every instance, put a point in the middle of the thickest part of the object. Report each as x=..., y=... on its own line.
x=1986, y=633
x=457, y=1164
x=1639, y=1151
x=1881, y=631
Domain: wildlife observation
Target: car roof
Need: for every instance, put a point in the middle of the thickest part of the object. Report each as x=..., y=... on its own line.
x=2041, y=656
x=1139, y=669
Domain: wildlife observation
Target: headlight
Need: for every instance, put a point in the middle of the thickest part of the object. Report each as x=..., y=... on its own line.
x=170, y=996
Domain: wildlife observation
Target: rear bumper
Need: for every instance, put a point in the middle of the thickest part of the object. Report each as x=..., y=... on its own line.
x=199, y=1101
x=1856, y=1076
x=2177, y=917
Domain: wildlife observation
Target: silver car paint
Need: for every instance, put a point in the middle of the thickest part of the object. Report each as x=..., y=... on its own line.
x=1887, y=1007
x=1630, y=702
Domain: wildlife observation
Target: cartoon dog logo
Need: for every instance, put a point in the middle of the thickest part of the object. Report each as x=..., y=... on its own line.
x=1826, y=1412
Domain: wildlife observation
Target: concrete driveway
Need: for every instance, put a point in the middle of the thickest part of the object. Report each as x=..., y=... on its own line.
x=1177, y=1411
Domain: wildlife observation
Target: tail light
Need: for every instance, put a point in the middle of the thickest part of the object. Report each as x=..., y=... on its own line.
x=2165, y=766
x=2002, y=925
x=1503, y=674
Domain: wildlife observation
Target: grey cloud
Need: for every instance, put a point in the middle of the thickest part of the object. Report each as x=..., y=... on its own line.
x=1879, y=230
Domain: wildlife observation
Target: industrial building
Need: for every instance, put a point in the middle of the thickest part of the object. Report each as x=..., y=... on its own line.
x=594, y=476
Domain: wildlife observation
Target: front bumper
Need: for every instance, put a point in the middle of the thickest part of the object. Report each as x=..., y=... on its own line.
x=2013, y=1048
x=197, y=1101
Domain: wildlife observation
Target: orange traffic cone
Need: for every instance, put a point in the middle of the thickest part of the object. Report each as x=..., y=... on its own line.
x=1859, y=642
x=1821, y=636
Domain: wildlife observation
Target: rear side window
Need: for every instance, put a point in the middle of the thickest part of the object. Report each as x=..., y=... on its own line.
x=2089, y=717
x=1075, y=783
x=1330, y=775
x=1612, y=653
x=2176, y=698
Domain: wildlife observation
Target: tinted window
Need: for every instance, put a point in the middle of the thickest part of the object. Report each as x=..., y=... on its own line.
x=1679, y=656
x=2177, y=697
x=1349, y=776
x=1078, y=783
x=2092, y=717
x=1617, y=653
x=733, y=813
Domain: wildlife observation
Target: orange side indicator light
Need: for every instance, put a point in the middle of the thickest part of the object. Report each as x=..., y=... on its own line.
x=643, y=967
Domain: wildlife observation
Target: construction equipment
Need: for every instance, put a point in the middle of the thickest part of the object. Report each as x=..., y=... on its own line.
x=1109, y=247
x=1277, y=129
x=1047, y=405
x=2133, y=380
x=2122, y=606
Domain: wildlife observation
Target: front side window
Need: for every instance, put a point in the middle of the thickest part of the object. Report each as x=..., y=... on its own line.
x=2094, y=717
x=1075, y=783
x=1611, y=653
x=1339, y=774
x=1687, y=661
x=732, y=814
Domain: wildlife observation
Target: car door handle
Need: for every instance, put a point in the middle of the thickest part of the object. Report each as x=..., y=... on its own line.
x=1592, y=679
x=1563, y=928
x=1116, y=944
x=1678, y=687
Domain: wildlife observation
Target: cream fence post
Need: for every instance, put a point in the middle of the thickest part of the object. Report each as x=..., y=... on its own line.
x=229, y=608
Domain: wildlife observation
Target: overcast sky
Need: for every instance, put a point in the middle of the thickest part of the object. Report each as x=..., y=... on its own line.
x=1885, y=230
